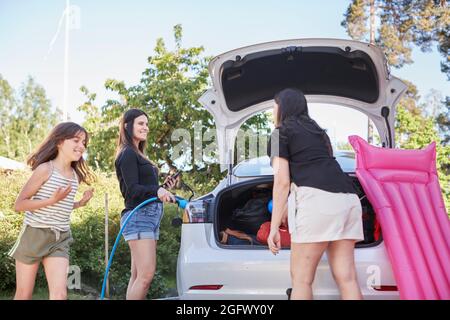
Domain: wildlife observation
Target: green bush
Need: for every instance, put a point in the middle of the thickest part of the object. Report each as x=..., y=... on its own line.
x=10, y=224
x=88, y=230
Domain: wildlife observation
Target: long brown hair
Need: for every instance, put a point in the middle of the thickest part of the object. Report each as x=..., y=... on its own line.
x=125, y=139
x=48, y=150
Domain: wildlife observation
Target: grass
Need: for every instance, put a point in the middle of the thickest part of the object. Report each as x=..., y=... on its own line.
x=42, y=294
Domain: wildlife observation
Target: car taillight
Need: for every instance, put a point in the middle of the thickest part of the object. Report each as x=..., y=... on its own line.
x=207, y=287
x=196, y=212
x=385, y=288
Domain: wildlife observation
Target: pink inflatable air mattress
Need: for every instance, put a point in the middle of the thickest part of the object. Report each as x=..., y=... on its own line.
x=404, y=190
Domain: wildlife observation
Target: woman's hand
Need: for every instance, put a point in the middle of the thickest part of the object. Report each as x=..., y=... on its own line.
x=274, y=241
x=166, y=196
x=87, y=195
x=170, y=182
x=60, y=194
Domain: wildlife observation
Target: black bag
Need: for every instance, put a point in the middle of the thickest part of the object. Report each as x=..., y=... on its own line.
x=250, y=217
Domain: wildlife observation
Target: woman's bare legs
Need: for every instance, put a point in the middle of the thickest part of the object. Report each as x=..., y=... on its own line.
x=143, y=255
x=304, y=260
x=132, y=277
x=342, y=262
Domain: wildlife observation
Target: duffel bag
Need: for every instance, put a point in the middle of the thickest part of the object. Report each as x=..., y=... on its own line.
x=264, y=231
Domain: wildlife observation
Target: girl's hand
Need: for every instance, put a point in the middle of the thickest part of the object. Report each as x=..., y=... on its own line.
x=274, y=241
x=87, y=195
x=166, y=196
x=60, y=194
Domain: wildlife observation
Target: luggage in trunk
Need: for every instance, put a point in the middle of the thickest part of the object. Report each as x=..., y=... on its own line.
x=235, y=203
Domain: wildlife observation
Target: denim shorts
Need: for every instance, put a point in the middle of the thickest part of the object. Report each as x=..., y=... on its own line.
x=145, y=222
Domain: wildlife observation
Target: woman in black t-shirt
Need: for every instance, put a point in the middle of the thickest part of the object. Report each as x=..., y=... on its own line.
x=138, y=179
x=323, y=210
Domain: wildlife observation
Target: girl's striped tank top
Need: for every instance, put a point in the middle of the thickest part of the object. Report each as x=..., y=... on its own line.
x=56, y=216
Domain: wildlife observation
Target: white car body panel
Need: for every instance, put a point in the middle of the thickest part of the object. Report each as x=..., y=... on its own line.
x=258, y=274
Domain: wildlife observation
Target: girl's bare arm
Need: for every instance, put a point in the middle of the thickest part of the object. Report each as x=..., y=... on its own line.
x=38, y=178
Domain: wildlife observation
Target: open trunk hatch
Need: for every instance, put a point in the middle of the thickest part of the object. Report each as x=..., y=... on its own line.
x=330, y=71
x=257, y=77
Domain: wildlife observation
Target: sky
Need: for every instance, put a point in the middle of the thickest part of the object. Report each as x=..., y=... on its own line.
x=115, y=38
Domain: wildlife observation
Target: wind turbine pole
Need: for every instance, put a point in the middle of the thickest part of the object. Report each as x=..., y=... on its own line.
x=66, y=63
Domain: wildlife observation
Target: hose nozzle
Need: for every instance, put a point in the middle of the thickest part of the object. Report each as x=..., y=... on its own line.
x=182, y=203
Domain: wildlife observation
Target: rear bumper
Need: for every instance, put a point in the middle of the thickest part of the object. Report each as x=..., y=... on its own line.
x=259, y=275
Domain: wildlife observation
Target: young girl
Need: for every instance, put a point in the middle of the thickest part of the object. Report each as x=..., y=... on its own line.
x=48, y=199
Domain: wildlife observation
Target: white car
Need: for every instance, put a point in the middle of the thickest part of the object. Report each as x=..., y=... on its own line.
x=330, y=71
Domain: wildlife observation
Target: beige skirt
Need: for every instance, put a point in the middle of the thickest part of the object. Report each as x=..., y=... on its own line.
x=316, y=215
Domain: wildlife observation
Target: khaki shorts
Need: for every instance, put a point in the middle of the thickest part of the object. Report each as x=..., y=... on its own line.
x=319, y=216
x=35, y=244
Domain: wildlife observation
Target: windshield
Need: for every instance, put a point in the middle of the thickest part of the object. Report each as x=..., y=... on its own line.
x=261, y=166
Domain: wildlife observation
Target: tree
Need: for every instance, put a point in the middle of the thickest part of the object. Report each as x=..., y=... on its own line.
x=410, y=98
x=101, y=135
x=7, y=103
x=416, y=132
x=356, y=19
x=443, y=121
x=404, y=23
x=437, y=107
x=26, y=119
x=168, y=93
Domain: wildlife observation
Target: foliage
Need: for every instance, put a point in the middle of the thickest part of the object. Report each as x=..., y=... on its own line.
x=402, y=25
x=25, y=119
x=443, y=121
x=168, y=92
x=416, y=132
x=356, y=20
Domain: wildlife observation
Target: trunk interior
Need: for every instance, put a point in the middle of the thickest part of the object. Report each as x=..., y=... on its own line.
x=237, y=196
